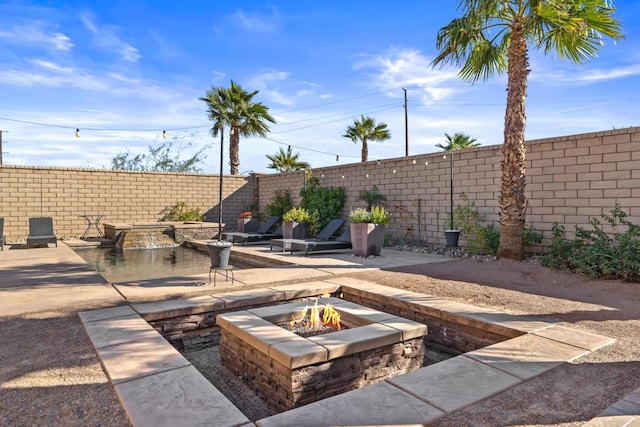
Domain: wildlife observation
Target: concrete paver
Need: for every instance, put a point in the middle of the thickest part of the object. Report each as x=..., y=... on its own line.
x=526, y=356
x=378, y=404
x=165, y=398
x=455, y=383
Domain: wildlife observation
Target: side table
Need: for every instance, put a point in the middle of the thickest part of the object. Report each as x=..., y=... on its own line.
x=92, y=221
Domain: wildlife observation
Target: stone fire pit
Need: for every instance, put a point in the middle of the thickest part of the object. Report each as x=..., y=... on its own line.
x=288, y=370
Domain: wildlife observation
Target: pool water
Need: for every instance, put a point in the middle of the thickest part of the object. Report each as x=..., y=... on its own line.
x=126, y=265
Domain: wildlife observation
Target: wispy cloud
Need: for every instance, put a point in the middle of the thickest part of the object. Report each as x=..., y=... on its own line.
x=36, y=33
x=587, y=76
x=106, y=36
x=256, y=22
x=407, y=67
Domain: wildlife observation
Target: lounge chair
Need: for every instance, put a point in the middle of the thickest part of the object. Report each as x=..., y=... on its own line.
x=343, y=242
x=41, y=231
x=254, y=236
x=3, y=239
x=325, y=234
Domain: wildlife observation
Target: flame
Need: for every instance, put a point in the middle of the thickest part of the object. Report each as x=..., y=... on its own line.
x=326, y=294
x=330, y=317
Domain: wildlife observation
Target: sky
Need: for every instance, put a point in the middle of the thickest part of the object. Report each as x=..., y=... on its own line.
x=123, y=71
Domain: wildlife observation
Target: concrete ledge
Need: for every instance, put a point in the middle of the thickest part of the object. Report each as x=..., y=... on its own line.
x=147, y=370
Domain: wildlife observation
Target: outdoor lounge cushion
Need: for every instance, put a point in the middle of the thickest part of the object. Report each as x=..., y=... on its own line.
x=343, y=242
x=325, y=234
x=41, y=231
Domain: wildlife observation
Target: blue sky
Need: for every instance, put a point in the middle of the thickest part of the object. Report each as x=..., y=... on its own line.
x=124, y=71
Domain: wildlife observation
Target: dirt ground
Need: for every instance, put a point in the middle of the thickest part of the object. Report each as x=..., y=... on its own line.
x=571, y=394
x=50, y=374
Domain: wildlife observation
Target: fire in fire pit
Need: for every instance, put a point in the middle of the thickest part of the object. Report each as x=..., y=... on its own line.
x=310, y=322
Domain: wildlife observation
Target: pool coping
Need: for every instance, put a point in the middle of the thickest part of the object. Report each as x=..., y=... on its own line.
x=154, y=382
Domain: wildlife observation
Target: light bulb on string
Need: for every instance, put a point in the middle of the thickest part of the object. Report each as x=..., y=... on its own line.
x=337, y=158
x=77, y=133
x=164, y=134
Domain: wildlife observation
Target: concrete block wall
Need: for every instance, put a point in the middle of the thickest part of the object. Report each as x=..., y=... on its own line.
x=121, y=196
x=570, y=179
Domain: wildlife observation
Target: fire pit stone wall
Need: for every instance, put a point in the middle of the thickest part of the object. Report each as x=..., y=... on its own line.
x=289, y=371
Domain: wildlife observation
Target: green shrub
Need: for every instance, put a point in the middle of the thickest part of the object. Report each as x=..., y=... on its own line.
x=181, y=212
x=280, y=204
x=372, y=197
x=297, y=215
x=327, y=201
x=596, y=252
x=377, y=215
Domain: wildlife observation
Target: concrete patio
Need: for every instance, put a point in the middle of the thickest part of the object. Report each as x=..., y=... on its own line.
x=42, y=280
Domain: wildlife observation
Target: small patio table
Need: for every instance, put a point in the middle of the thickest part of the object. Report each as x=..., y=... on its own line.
x=92, y=220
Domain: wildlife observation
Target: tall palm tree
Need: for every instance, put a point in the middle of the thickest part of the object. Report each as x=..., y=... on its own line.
x=234, y=107
x=458, y=141
x=286, y=161
x=365, y=130
x=494, y=36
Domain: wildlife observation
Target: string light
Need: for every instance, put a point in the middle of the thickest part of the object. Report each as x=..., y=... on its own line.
x=366, y=176
x=414, y=161
x=426, y=163
x=77, y=133
x=394, y=171
x=164, y=134
x=338, y=158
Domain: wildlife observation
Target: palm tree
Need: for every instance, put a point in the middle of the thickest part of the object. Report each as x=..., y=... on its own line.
x=365, y=130
x=458, y=141
x=234, y=107
x=494, y=36
x=285, y=161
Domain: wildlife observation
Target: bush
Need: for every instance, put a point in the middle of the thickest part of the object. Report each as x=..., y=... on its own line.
x=297, y=215
x=181, y=212
x=596, y=252
x=326, y=201
x=280, y=204
x=377, y=215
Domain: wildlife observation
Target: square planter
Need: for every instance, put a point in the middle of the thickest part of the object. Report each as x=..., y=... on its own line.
x=295, y=230
x=367, y=239
x=247, y=225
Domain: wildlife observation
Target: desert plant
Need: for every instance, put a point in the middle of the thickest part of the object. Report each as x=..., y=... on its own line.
x=596, y=252
x=181, y=212
x=372, y=197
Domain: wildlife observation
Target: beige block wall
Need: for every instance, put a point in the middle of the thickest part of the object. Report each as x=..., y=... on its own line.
x=67, y=193
x=570, y=179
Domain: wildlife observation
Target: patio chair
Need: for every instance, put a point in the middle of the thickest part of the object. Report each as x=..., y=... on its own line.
x=3, y=238
x=343, y=242
x=260, y=234
x=325, y=234
x=41, y=231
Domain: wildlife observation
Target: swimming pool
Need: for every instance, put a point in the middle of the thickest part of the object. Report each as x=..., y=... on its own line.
x=126, y=265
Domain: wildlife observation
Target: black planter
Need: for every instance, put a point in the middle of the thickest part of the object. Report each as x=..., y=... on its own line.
x=451, y=237
x=219, y=253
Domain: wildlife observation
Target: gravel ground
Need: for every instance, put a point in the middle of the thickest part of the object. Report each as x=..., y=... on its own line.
x=50, y=374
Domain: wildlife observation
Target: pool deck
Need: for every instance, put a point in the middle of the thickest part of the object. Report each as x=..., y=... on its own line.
x=46, y=279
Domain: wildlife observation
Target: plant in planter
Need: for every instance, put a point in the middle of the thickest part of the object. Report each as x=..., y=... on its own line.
x=296, y=223
x=247, y=223
x=367, y=230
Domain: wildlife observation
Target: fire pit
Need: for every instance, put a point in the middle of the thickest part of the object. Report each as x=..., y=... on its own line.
x=290, y=370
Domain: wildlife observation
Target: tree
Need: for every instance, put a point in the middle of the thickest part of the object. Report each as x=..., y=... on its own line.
x=458, y=141
x=164, y=158
x=285, y=161
x=234, y=107
x=372, y=197
x=494, y=36
x=365, y=130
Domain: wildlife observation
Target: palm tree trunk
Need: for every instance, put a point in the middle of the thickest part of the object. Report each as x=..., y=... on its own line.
x=365, y=150
x=512, y=198
x=234, y=150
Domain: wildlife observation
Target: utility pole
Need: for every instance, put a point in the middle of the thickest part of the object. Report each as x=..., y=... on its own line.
x=406, y=125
